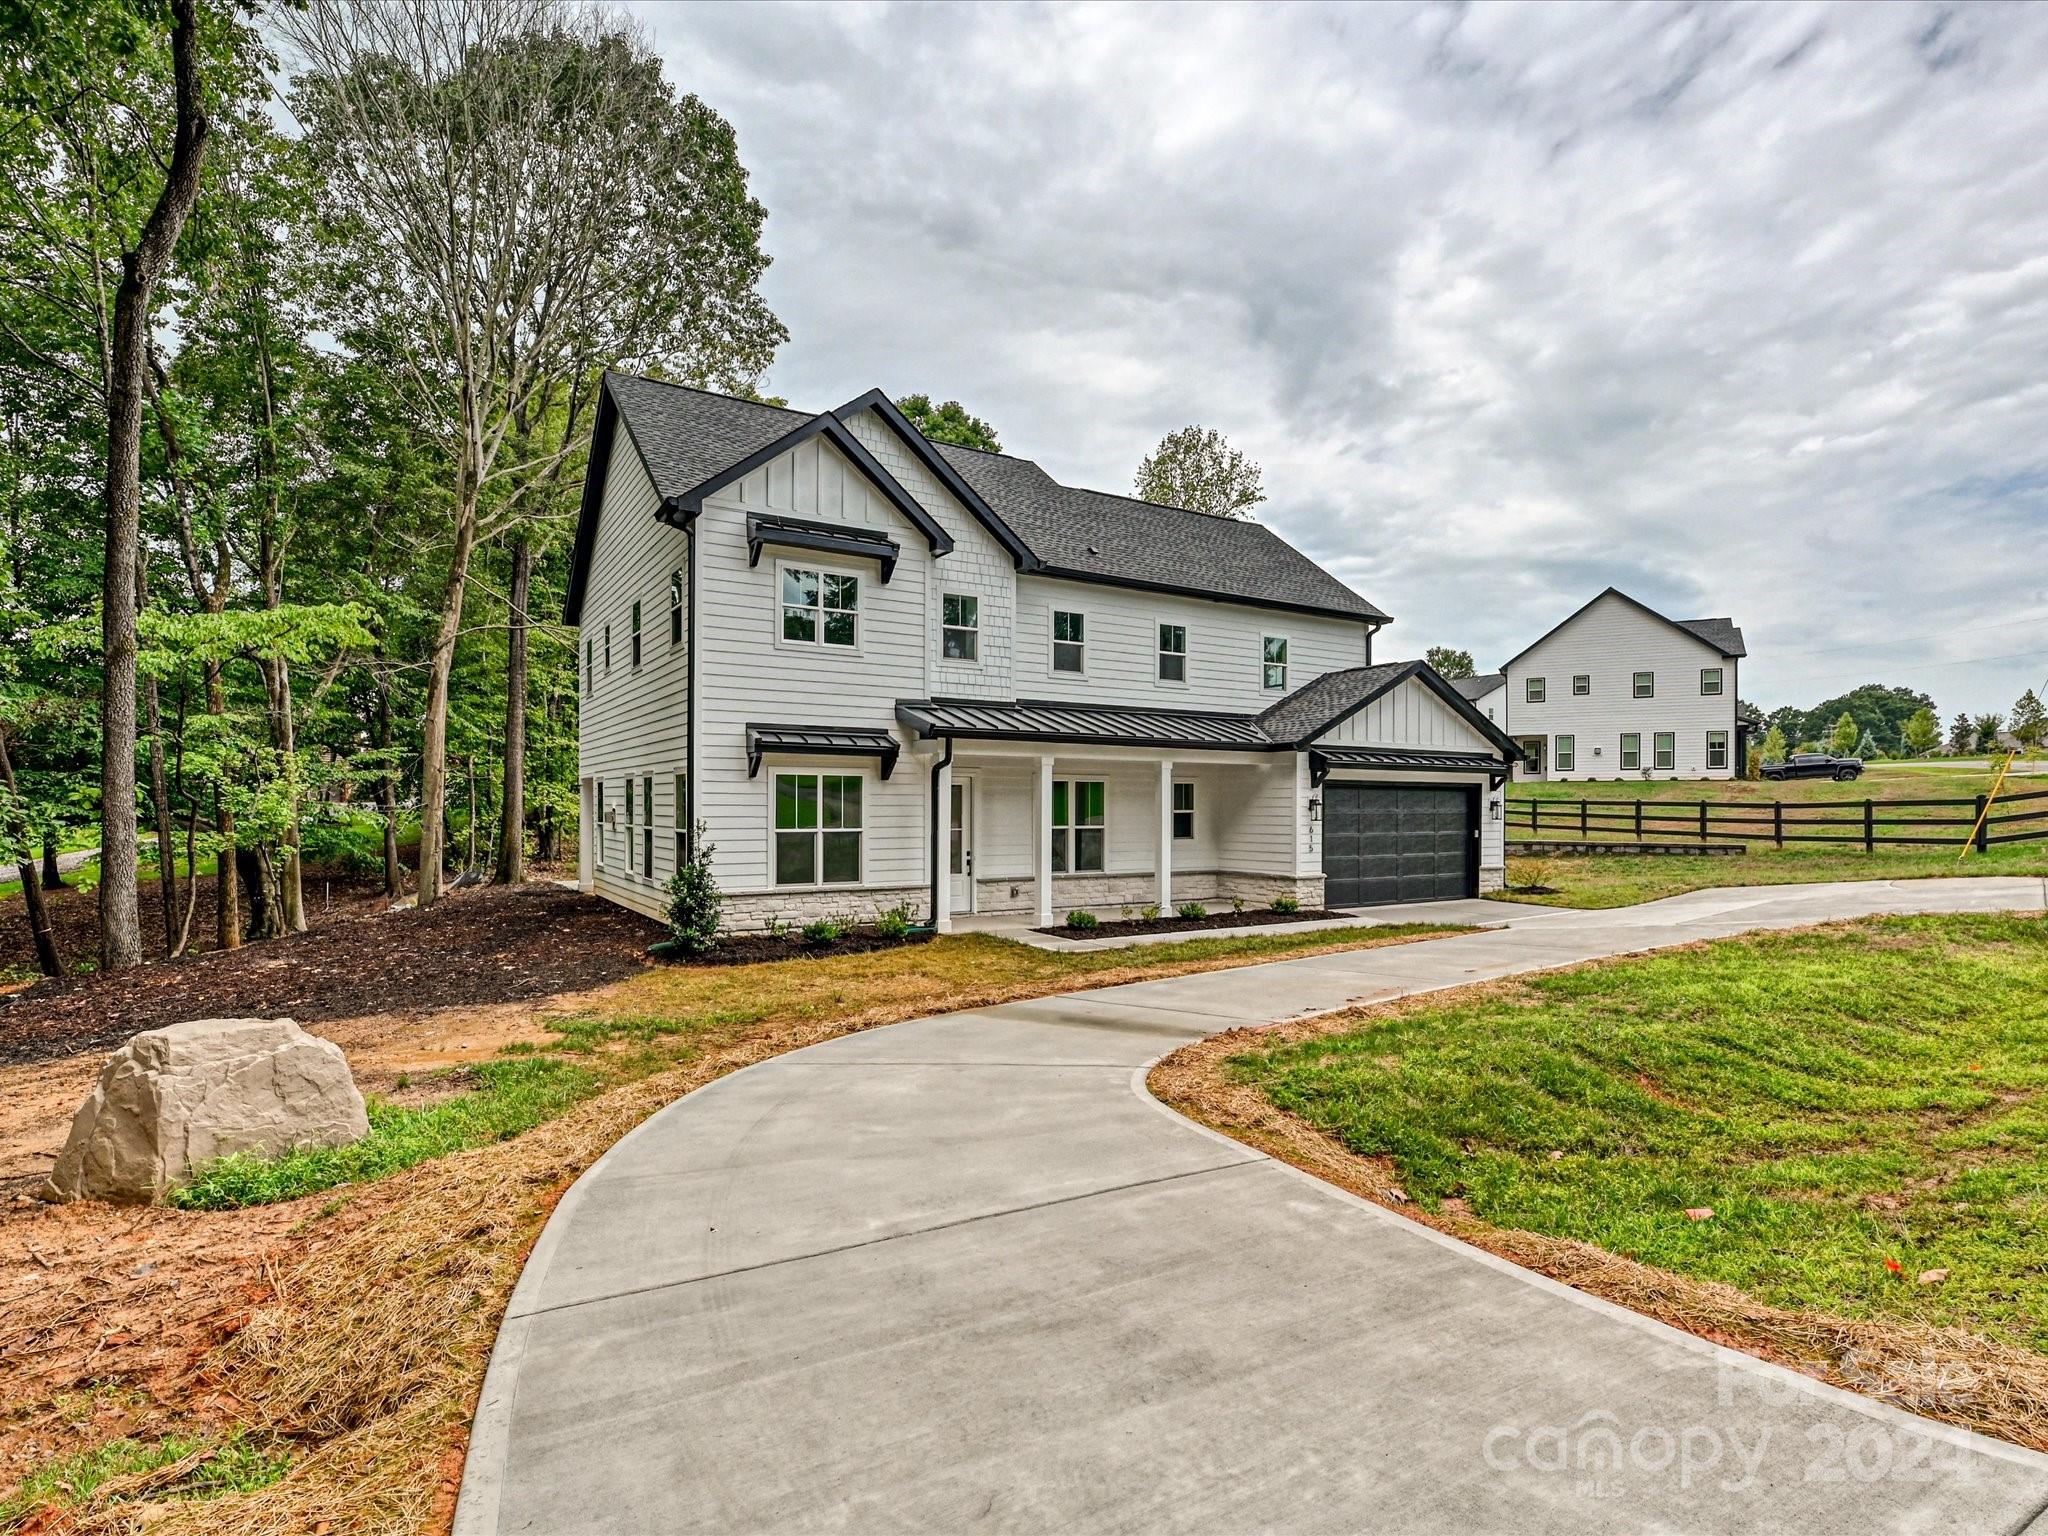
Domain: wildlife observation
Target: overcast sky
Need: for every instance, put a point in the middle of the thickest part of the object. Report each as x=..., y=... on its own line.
x=1744, y=311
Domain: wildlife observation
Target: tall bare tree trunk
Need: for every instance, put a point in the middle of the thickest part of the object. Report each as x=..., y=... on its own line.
x=434, y=728
x=277, y=676
x=120, y=917
x=47, y=958
x=159, y=789
x=512, y=823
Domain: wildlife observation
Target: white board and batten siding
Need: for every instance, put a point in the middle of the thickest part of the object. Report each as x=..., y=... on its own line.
x=633, y=721
x=1609, y=643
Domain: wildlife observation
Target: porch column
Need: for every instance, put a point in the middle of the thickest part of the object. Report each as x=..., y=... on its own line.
x=942, y=849
x=1166, y=835
x=1043, y=802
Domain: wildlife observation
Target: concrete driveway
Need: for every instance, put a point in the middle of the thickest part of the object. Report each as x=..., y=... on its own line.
x=961, y=1274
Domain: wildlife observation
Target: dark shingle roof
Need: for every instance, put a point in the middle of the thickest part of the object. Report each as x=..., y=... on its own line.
x=1721, y=634
x=1478, y=687
x=687, y=436
x=1320, y=701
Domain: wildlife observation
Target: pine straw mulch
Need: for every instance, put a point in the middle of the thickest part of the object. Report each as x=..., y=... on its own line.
x=353, y=1327
x=1948, y=1374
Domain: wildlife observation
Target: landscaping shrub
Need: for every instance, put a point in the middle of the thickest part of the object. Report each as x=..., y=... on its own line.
x=1286, y=904
x=694, y=899
x=1082, y=918
x=894, y=922
x=1151, y=913
x=1191, y=910
x=823, y=931
x=1237, y=905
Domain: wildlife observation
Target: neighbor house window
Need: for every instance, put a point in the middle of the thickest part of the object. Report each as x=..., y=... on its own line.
x=817, y=828
x=1665, y=746
x=1069, y=641
x=1710, y=680
x=1646, y=685
x=1534, y=689
x=675, y=608
x=960, y=627
x=820, y=607
x=1582, y=683
x=1183, y=812
x=1631, y=750
x=1173, y=653
x=1077, y=826
x=647, y=826
x=1561, y=754
x=636, y=634
x=1275, y=653
x=1717, y=749
x=682, y=819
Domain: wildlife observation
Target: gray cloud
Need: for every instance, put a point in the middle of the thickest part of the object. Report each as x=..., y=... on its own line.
x=1740, y=308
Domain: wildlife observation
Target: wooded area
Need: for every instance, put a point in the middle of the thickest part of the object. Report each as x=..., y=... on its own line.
x=303, y=317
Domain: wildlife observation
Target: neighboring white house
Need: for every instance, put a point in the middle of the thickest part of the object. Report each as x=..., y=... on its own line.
x=880, y=671
x=1618, y=691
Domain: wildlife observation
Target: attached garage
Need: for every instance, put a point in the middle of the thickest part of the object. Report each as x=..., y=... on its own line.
x=1399, y=842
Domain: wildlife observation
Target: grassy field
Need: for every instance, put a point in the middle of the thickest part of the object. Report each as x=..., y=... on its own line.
x=1859, y=1107
x=1883, y=781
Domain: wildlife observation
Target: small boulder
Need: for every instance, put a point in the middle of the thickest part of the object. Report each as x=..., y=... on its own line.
x=176, y=1098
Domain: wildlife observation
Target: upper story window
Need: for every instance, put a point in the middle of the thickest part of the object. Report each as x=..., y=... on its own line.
x=1173, y=653
x=1710, y=680
x=960, y=627
x=1582, y=683
x=1646, y=685
x=1533, y=689
x=589, y=647
x=1275, y=661
x=675, y=608
x=820, y=607
x=607, y=647
x=636, y=634
x=1069, y=641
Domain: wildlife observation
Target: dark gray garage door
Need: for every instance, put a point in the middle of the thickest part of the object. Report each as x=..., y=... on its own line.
x=1397, y=842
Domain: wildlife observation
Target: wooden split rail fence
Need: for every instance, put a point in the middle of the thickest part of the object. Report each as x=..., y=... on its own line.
x=1978, y=822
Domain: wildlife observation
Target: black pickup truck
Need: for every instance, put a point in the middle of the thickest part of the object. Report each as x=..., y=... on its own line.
x=1815, y=765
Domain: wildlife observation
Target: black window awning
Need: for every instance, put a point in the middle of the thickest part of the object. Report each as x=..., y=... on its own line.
x=820, y=741
x=1322, y=759
x=827, y=538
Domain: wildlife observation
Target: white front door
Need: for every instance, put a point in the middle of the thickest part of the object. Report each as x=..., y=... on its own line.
x=961, y=844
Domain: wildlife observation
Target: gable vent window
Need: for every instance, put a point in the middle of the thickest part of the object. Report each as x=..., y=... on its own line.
x=1582, y=684
x=675, y=608
x=1710, y=680
x=820, y=607
x=1069, y=642
x=1173, y=653
x=1275, y=661
x=960, y=627
x=1533, y=689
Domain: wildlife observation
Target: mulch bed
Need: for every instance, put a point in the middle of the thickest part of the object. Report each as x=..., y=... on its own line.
x=491, y=944
x=1246, y=919
x=753, y=948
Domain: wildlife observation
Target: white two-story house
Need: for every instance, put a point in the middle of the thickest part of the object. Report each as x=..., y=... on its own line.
x=877, y=671
x=1618, y=691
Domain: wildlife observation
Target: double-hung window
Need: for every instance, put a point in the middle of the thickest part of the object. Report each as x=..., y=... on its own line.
x=817, y=828
x=1534, y=689
x=960, y=627
x=1069, y=641
x=1183, y=811
x=1562, y=753
x=1631, y=750
x=675, y=608
x=1710, y=681
x=1665, y=746
x=646, y=825
x=597, y=833
x=1077, y=826
x=1173, y=653
x=1717, y=749
x=1274, y=652
x=820, y=607
x=682, y=819
x=1582, y=684
x=1646, y=685
x=636, y=635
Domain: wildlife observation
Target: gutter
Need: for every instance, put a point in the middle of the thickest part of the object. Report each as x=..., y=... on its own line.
x=937, y=875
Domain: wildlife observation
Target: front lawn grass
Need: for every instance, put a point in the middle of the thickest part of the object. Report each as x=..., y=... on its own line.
x=174, y=1468
x=1623, y=879
x=1857, y=1105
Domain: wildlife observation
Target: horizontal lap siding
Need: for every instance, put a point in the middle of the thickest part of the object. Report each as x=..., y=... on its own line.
x=633, y=723
x=1611, y=641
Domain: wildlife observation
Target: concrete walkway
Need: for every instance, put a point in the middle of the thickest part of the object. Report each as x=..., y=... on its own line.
x=962, y=1274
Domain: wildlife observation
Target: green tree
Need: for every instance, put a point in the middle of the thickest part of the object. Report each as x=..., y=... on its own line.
x=1843, y=738
x=1867, y=747
x=1196, y=469
x=1962, y=732
x=2029, y=720
x=1773, y=749
x=1922, y=733
x=1450, y=663
x=951, y=422
x=1986, y=728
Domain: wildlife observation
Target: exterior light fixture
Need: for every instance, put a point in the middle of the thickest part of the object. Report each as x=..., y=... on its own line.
x=1315, y=809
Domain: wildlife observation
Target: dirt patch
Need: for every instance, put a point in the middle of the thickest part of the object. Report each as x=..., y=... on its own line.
x=1135, y=925
x=490, y=945
x=1945, y=1373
